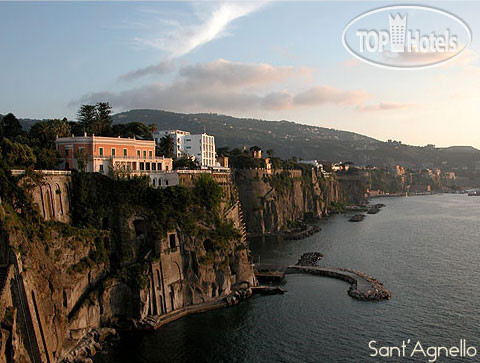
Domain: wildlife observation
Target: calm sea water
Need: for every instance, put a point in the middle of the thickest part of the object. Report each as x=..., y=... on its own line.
x=425, y=249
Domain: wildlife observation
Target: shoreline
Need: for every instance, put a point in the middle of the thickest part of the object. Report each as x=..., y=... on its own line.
x=311, y=229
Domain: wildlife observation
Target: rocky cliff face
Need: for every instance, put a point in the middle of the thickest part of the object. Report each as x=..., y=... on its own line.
x=131, y=252
x=273, y=202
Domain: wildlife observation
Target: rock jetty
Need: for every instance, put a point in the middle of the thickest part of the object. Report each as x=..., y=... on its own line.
x=308, y=231
x=89, y=345
x=309, y=259
x=363, y=287
x=374, y=209
x=357, y=218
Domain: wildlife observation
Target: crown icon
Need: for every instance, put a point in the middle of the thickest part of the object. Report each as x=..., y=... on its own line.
x=398, y=26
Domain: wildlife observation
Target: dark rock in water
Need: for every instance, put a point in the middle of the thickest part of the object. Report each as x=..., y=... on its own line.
x=357, y=218
x=310, y=230
x=268, y=290
x=374, y=209
x=309, y=259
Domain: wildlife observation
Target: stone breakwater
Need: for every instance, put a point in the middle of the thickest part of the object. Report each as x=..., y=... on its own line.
x=297, y=235
x=309, y=259
x=363, y=287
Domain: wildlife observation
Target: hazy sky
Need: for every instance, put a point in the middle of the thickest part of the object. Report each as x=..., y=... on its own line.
x=273, y=60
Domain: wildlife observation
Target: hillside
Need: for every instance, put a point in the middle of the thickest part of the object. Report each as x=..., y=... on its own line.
x=305, y=141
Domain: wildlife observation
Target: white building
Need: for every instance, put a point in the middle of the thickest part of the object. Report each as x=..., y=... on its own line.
x=315, y=163
x=198, y=146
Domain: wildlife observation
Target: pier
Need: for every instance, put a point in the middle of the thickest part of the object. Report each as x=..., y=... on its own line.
x=269, y=273
x=362, y=286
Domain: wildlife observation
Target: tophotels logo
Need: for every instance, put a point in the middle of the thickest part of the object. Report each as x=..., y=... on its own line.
x=381, y=37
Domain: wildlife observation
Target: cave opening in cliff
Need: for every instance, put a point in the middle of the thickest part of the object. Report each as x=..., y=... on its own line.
x=173, y=240
x=105, y=223
x=208, y=245
x=140, y=228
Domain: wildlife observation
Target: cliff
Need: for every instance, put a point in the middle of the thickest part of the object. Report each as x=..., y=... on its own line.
x=126, y=252
x=273, y=201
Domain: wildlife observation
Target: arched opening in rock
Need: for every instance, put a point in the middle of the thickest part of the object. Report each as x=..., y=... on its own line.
x=140, y=227
x=208, y=245
x=105, y=223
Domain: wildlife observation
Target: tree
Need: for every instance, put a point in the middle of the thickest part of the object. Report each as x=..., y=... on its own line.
x=103, y=120
x=207, y=192
x=17, y=155
x=44, y=133
x=223, y=151
x=132, y=129
x=96, y=119
x=47, y=159
x=270, y=153
x=186, y=163
x=82, y=159
x=10, y=126
x=167, y=146
x=86, y=116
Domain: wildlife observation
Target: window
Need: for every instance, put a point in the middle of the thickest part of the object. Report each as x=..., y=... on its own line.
x=100, y=168
x=114, y=151
x=150, y=154
x=154, y=182
x=147, y=166
x=166, y=181
x=100, y=151
x=188, y=139
x=125, y=152
x=144, y=154
x=154, y=166
x=66, y=153
x=138, y=153
x=159, y=166
x=173, y=241
x=142, y=166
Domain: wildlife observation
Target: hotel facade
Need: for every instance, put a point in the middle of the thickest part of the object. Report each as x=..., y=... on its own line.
x=110, y=155
x=198, y=146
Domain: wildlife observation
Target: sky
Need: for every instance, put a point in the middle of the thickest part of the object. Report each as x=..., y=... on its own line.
x=272, y=60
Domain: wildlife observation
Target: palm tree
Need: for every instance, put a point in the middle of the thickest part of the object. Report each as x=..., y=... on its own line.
x=167, y=146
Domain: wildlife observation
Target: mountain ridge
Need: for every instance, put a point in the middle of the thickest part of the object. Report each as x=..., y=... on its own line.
x=288, y=139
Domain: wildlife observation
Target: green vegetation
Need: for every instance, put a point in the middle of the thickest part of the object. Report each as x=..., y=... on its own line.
x=96, y=119
x=166, y=146
x=281, y=182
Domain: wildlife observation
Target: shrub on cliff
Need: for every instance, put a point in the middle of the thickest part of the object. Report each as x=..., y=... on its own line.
x=207, y=192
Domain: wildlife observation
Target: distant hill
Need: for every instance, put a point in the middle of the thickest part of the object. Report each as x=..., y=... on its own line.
x=305, y=142
x=288, y=139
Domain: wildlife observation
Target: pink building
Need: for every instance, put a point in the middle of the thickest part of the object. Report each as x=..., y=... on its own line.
x=115, y=155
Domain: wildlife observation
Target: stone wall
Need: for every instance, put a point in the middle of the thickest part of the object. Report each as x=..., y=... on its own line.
x=52, y=197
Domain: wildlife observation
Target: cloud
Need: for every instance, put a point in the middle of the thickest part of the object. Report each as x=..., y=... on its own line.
x=223, y=73
x=328, y=94
x=165, y=66
x=383, y=106
x=181, y=39
x=222, y=85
